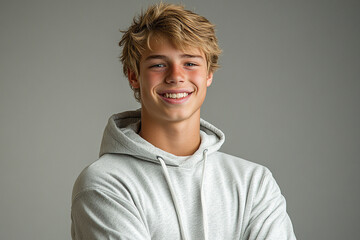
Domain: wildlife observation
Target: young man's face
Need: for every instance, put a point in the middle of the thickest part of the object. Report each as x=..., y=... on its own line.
x=172, y=82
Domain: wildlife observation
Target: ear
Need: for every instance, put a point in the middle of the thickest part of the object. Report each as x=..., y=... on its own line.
x=209, y=79
x=133, y=79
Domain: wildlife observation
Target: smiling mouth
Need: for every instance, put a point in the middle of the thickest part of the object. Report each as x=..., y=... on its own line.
x=175, y=95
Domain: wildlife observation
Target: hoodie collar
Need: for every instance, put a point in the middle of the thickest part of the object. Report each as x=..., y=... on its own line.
x=121, y=137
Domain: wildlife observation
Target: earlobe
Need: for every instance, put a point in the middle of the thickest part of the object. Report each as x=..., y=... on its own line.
x=133, y=79
x=209, y=79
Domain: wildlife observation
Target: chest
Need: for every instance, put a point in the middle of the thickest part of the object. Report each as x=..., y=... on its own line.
x=224, y=201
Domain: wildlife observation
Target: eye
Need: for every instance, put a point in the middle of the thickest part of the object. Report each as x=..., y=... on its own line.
x=157, y=65
x=190, y=64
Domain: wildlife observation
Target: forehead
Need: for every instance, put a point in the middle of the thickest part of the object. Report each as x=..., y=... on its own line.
x=160, y=44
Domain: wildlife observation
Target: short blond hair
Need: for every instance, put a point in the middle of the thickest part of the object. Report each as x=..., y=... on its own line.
x=183, y=27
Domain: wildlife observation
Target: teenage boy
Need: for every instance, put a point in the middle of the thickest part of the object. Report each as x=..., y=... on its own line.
x=160, y=174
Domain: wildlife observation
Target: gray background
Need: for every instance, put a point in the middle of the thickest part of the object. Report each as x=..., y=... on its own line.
x=287, y=96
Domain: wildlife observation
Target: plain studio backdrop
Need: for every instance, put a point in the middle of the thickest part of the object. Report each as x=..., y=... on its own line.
x=287, y=97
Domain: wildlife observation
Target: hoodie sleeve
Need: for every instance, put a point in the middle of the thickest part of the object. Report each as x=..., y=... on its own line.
x=98, y=214
x=269, y=219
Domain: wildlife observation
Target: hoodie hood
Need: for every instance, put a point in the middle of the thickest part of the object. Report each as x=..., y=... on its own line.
x=121, y=137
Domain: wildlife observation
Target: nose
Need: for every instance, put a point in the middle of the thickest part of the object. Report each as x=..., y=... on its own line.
x=175, y=75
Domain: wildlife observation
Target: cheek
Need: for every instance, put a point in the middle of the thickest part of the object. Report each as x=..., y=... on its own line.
x=148, y=83
x=152, y=78
x=199, y=78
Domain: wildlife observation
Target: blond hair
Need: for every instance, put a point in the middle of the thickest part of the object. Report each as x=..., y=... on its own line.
x=183, y=27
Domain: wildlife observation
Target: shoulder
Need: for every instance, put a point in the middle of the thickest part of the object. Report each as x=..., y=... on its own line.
x=228, y=161
x=102, y=175
x=239, y=169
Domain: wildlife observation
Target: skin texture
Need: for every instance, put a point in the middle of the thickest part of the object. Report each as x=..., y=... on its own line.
x=168, y=123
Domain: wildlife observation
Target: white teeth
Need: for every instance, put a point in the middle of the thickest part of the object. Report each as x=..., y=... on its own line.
x=176, y=95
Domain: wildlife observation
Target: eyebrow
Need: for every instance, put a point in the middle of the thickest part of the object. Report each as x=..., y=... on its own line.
x=164, y=57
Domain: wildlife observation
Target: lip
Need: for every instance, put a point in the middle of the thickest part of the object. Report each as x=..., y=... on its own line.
x=162, y=92
x=175, y=100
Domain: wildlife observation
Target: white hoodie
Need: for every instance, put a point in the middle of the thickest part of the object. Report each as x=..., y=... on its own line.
x=138, y=191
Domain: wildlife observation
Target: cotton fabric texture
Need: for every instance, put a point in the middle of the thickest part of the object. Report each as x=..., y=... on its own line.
x=137, y=191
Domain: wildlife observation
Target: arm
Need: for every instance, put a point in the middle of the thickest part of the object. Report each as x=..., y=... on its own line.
x=269, y=219
x=98, y=214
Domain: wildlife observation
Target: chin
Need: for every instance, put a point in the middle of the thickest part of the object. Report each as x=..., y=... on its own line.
x=178, y=116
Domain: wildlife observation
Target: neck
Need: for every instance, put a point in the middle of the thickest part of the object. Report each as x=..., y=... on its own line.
x=181, y=138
